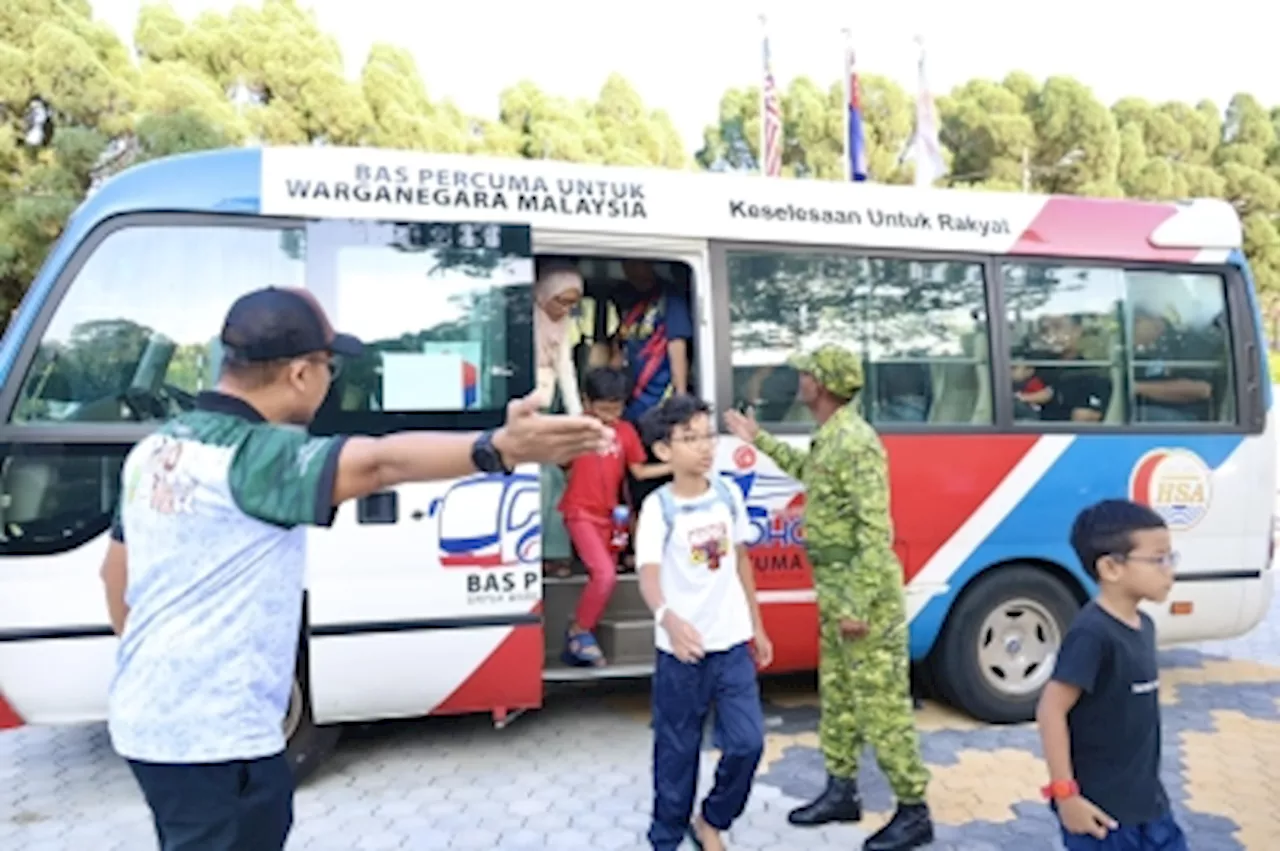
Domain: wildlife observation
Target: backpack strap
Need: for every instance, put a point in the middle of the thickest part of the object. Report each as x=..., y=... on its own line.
x=668, y=505
x=725, y=495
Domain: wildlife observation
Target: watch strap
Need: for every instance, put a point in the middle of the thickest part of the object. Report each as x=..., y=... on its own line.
x=485, y=457
x=1059, y=790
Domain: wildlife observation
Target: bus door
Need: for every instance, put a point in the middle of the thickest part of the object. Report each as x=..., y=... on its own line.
x=427, y=598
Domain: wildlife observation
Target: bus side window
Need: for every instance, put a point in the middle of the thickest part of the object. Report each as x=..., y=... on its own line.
x=134, y=337
x=1119, y=345
x=56, y=497
x=920, y=326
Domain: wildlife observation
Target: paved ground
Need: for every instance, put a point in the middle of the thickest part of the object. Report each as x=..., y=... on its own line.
x=574, y=775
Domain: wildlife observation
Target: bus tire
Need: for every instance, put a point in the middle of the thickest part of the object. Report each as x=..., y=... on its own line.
x=308, y=744
x=1000, y=643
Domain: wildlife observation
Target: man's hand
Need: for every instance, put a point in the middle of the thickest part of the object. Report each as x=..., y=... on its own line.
x=686, y=643
x=851, y=629
x=1079, y=815
x=742, y=426
x=529, y=436
x=762, y=649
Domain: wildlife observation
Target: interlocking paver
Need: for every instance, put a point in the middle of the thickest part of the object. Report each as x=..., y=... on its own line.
x=575, y=776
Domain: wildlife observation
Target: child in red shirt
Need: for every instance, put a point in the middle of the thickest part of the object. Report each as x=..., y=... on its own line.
x=593, y=490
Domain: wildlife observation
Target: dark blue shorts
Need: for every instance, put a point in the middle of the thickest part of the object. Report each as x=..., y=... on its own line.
x=1163, y=834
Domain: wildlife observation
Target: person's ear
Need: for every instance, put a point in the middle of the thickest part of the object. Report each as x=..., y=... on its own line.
x=1109, y=568
x=662, y=451
x=296, y=373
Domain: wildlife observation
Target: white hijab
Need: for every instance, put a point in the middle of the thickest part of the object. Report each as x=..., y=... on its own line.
x=549, y=334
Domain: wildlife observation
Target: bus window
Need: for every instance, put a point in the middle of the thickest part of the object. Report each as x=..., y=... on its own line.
x=135, y=336
x=920, y=326
x=445, y=311
x=56, y=497
x=1108, y=345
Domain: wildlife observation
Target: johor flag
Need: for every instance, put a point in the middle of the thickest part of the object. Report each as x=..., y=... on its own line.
x=855, y=145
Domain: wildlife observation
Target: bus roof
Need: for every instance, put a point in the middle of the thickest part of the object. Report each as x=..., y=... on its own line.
x=326, y=182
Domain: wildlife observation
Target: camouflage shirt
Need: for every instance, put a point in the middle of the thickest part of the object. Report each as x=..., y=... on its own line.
x=848, y=528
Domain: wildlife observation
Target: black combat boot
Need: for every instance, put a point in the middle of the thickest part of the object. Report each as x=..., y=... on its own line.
x=910, y=827
x=838, y=802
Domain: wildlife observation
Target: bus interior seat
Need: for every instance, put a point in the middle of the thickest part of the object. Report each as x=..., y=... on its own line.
x=1115, y=410
x=954, y=388
x=27, y=482
x=977, y=348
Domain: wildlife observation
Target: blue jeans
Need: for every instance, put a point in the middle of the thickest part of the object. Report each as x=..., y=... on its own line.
x=1163, y=834
x=682, y=696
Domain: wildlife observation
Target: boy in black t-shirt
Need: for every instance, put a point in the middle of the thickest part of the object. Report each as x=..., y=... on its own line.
x=1099, y=716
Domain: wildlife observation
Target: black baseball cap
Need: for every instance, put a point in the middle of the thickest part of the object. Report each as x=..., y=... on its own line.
x=277, y=324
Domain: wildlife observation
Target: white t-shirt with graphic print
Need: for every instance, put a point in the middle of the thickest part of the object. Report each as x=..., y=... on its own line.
x=699, y=568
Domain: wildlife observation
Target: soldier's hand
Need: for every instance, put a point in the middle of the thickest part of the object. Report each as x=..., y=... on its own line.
x=686, y=643
x=851, y=629
x=742, y=426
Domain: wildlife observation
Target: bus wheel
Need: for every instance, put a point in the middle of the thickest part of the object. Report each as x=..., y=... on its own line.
x=1001, y=641
x=307, y=744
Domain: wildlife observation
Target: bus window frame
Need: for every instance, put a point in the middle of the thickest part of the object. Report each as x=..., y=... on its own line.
x=1250, y=409
x=1245, y=347
x=1002, y=404
x=90, y=432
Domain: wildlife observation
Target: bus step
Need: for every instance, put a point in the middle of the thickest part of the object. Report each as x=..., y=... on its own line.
x=626, y=640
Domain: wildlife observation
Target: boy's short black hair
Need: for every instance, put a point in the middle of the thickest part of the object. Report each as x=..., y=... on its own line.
x=660, y=421
x=605, y=384
x=1107, y=529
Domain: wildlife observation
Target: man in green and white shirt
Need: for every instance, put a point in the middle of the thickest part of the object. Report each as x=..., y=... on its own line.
x=204, y=575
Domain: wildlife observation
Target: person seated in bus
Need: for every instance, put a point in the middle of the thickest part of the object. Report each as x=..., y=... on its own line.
x=904, y=392
x=592, y=494
x=556, y=294
x=1165, y=392
x=1030, y=392
x=1081, y=393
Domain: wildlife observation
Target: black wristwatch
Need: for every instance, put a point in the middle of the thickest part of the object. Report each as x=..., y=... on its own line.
x=486, y=457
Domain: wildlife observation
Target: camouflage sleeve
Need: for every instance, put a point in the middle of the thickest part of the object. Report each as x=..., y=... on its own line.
x=789, y=458
x=847, y=517
x=285, y=476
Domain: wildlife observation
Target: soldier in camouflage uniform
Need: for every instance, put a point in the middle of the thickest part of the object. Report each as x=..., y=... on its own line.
x=863, y=668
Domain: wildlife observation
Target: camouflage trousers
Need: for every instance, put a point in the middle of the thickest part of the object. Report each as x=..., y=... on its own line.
x=866, y=700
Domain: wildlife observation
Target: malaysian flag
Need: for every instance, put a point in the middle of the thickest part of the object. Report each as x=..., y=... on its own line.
x=855, y=144
x=771, y=110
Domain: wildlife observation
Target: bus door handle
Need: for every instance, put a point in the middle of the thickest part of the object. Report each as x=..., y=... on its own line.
x=382, y=507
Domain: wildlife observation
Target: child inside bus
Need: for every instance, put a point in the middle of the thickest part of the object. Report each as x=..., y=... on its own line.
x=592, y=493
x=1030, y=393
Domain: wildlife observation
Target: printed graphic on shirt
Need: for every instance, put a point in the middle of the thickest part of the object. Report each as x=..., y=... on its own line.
x=171, y=488
x=709, y=545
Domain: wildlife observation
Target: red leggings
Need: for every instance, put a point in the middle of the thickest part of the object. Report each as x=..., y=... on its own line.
x=591, y=539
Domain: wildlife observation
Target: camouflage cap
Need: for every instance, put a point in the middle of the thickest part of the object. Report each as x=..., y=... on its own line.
x=834, y=367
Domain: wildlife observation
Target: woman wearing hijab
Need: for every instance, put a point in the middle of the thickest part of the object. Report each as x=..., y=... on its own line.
x=556, y=294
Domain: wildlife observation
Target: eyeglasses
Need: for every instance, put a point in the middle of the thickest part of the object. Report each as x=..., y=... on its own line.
x=1168, y=560
x=697, y=439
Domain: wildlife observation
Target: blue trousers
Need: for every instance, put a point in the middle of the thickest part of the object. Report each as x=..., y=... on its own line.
x=1163, y=834
x=682, y=696
x=245, y=805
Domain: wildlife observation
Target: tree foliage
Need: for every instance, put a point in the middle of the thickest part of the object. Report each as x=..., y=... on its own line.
x=267, y=73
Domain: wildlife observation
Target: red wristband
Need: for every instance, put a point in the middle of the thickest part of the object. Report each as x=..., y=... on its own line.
x=1060, y=789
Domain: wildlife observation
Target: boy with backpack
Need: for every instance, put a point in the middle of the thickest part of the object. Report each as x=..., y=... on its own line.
x=1099, y=715
x=697, y=579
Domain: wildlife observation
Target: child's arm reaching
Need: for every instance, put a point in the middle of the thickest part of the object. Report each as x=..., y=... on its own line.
x=649, y=471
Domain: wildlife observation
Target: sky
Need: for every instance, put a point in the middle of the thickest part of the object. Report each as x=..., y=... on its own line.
x=682, y=54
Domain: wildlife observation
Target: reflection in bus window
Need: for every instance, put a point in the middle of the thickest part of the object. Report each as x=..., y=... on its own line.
x=1116, y=346
x=136, y=335
x=920, y=326
x=448, y=328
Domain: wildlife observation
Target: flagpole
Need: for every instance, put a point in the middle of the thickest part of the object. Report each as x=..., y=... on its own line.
x=847, y=33
x=764, y=36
